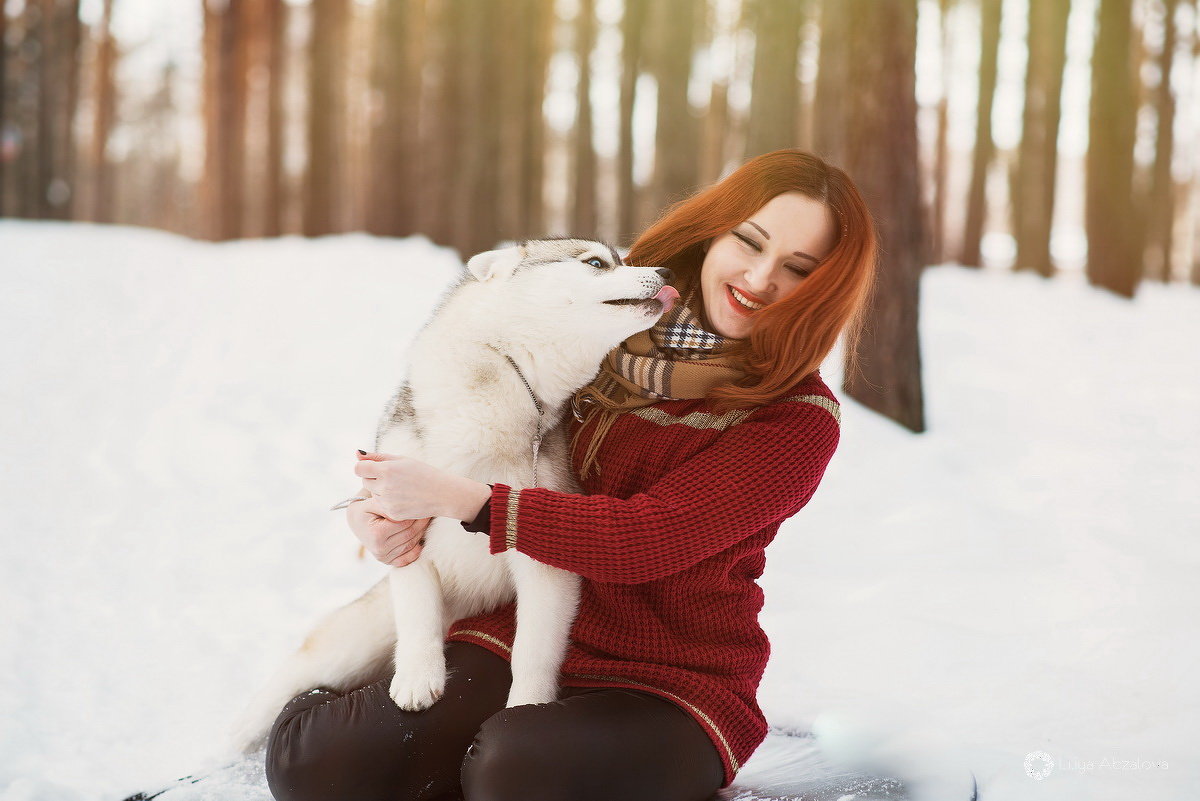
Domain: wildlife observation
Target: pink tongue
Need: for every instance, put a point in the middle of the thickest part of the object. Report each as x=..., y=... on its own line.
x=667, y=296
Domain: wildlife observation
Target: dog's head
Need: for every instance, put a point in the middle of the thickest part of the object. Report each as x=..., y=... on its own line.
x=576, y=287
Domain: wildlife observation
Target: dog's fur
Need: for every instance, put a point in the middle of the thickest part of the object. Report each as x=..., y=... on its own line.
x=549, y=305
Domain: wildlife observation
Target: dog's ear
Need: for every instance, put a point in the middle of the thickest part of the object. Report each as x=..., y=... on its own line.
x=493, y=263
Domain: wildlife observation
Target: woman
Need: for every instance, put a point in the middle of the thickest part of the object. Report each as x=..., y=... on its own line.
x=695, y=441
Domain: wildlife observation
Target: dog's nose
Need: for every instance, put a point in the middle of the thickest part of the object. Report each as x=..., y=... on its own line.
x=665, y=272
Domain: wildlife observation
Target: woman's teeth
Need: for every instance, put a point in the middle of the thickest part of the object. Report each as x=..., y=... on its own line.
x=742, y=299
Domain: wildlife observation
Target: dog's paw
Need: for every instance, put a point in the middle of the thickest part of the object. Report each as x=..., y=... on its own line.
x=416, y=690
x=414, y=694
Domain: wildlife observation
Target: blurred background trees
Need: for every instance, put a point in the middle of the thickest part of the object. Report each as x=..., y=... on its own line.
x=1048, y=136
x=474, y=121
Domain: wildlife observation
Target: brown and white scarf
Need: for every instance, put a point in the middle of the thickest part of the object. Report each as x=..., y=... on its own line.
x=673, y=360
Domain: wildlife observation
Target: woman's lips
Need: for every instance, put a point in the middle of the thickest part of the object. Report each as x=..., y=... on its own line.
x=735, y=305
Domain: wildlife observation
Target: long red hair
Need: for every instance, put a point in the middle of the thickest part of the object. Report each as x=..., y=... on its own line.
x=792, y=336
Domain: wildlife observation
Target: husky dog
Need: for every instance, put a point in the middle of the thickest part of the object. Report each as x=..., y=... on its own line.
x=489, y=374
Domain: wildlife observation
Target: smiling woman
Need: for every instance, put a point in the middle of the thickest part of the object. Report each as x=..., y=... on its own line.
x=747, y=269
x=697, y=438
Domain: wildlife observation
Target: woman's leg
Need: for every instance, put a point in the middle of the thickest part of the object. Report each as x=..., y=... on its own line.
x=595, y=744
x=361, y=746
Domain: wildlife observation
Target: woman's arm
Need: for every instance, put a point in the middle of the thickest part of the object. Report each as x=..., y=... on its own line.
x=759, y=472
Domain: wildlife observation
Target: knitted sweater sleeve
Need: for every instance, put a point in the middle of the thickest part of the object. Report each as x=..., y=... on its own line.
x=757, y=473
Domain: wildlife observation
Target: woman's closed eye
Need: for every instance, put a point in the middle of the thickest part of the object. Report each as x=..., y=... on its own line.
x=748, y=242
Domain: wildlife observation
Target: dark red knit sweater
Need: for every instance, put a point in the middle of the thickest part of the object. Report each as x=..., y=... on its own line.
x=669, y=539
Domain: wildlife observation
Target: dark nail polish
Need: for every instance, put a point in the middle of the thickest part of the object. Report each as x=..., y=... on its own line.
x=360, y=450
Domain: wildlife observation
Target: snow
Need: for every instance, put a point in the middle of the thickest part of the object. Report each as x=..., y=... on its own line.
x=179, y=416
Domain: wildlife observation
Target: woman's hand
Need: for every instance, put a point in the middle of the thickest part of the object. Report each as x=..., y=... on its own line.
x=409, y=489
x=393, y=542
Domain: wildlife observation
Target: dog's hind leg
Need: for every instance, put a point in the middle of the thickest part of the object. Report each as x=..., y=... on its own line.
x=348, y=647
x=420, y=612
x=547, y=600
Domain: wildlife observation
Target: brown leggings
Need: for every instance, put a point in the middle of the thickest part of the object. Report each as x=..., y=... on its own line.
x=594, y=743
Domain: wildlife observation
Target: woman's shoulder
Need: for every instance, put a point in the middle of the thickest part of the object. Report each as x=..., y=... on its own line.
x=811, y=392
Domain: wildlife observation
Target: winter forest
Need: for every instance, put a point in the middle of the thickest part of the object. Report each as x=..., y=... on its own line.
x=247, y=118
x=220, y=221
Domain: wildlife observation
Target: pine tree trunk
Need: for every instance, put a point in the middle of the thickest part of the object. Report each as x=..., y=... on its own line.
x=1160, y=220
x=775, y=92
x=275, y=60
x=326, y=116
x=393, y=134
x=984, y=147
x=225, y=119
x=476, y=218
x=583, y=220
x=937, y=239
x=3, y=99
x=832, y=81
x=1033, y=187
x=104, y=98
x=632, y=26
x=446, y=123
x=536, y=35
x=881, y=155
x=1113, y=252
x=676, y=135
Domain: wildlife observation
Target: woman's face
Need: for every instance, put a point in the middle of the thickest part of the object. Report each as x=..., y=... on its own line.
x=763, y=258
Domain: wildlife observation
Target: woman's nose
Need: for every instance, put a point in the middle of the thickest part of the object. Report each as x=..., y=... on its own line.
x=758, y=278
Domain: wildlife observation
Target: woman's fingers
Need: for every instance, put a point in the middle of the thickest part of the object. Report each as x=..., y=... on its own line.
x=403, y=550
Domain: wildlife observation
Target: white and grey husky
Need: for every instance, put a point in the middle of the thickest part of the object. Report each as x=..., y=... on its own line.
x=493, y=370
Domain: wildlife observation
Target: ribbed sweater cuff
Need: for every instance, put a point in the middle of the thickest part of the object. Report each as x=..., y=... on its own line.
x=503, y=527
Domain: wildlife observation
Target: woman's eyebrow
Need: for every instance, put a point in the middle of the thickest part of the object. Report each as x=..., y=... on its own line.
x=799, y=253
x=759, y=227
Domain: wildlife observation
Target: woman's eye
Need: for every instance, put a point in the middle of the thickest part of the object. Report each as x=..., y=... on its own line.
x=750, y=243
x=595, y=262
x=799, y=272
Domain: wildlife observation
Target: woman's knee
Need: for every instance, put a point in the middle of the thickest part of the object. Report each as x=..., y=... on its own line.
x=328, y=745
x=506, y=760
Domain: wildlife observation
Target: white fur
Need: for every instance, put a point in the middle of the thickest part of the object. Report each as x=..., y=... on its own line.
x=468, y=412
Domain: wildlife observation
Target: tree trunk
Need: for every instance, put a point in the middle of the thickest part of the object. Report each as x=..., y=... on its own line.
x=832, y=81
x=1114, y=258
x=3, y=100
x=675, y=139
x=632, y=25
x=937, y=239
x=1033, y=188
x=326, y=115
x=394, y=128
x=984, y=147
x=275, y=61
x=476, y=218
x=58, y=92
x=881, y=154
x=1160, y=221
x=775, y=91
x=583, y=220
x=225, y=119
x=104, y=98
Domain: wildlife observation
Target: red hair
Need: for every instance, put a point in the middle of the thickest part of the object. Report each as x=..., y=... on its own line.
x=792, y=336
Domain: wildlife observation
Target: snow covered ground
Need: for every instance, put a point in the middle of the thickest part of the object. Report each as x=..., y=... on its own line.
x=178, y=416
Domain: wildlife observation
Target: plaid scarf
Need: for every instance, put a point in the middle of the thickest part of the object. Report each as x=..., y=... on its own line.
x=673, y=360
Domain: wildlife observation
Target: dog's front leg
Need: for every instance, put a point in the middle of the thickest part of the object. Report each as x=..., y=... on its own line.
x=420, y=635
x=547, y=600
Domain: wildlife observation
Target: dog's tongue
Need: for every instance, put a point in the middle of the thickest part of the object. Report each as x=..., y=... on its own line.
x=667, y=297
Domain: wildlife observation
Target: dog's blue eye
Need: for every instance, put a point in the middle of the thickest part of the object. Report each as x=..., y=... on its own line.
x=595, y=262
